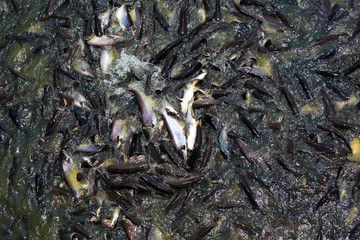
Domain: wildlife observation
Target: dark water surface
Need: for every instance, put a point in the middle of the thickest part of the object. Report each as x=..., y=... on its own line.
x=299, y=180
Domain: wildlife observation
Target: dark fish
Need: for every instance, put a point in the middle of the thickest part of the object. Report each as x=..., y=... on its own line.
x=127, y=144
x=205, y=230
x=13, y=114
x=138, y=23
x=245, y=12
x=352, y=68
x=63, y=234
x=290, y=100
x=120, y=183
x=245, y=186
x=332, y=191
x=78, y=228
x=320, y=147
x=19, y=74
x=87, y=211
x=337, y=91
x=89, y=32
x=13, y=170
x=345, y=125
x=217, y=13
x=207, y=153
x=64, y=34
x=205, y=102
x=188, y=71
x=239, y=223
x=251, y=127
x=160, y=18
x=50, y=8
x=193, y=161
x=167, y=148
x=180, y=197
x=154, y=153
x=165, y=51
x=16, y=5
x=128, y=167
x=5, y=129
x=60, y=191
x=218, y=93
x=276, y=126
x=184, y=183
x=157, y=184
x=39, y=189
x=198, y=44
x=328, y=106
x=213, y=121
x=169, y=63
x=304, y=86
x=136, y=144
x=98, y=28
x=241, y=145
x=327, y=39
x=26, y=38
x=334, y=10
x=328, y=74
x=182, y=29
x=117, y=199
x=251, y=2
x=252, y=85
x=56, y=78
x=129, y=229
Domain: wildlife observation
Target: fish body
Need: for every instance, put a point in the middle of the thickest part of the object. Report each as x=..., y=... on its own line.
x=176, y=130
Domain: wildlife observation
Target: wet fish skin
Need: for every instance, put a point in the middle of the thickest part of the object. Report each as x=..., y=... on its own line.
x=158, y=184
x=331, y=191
x=328, y=106
x=78, y=228
x=166, y=148
x=154, y=153
x=205, y=230
x=160, y=18
x=304, y=86
x=163, y=53
x=245, y=185
x=12, y=174
x=217, y=13
x=169, y=63
x=290, y=100
x=128, y=167
x=129, y=229
x=183, y=15
x=207, y=154
x=138, y=23
x=177, y=132
x=13, y=114
x=105, y=40
x=148, y=118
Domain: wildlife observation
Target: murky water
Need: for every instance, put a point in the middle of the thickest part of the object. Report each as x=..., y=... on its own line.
x=282, y=191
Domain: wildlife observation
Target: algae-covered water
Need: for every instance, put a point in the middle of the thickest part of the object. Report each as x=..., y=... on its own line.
x=288, y=169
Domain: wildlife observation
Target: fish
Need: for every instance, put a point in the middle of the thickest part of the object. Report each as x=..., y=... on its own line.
x=106, y=58
x=70, y=170
x=123, y=17
x=160, y=18
x=177, y=132
x=105, y=40
x=146, y=104
x=189, y=92
x=191, y=128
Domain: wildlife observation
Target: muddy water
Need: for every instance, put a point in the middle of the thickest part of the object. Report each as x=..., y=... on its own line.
x=288, y=187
